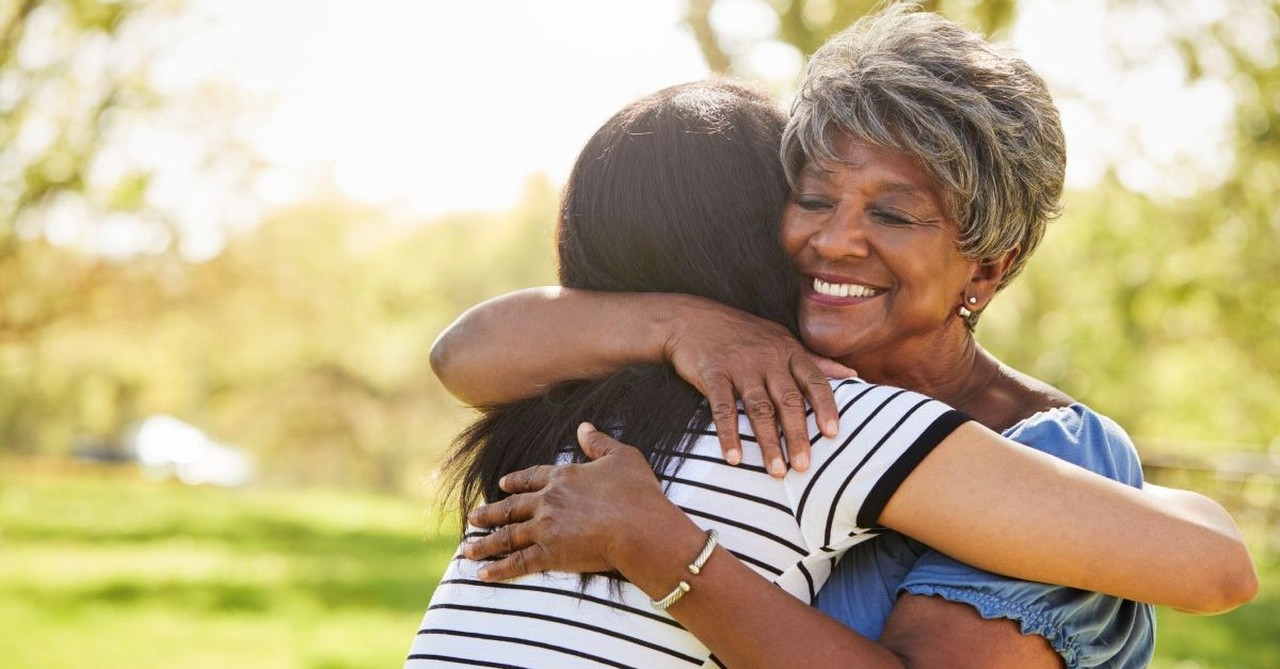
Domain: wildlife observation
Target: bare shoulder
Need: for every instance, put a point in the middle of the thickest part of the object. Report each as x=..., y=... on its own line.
x=1013, y=395
x=1036, y=394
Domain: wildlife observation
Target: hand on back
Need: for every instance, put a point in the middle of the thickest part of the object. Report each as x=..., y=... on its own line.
x=554, y=518
x=729, y=356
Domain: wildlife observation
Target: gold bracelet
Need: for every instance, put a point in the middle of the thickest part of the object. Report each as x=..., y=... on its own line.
x=695, y=568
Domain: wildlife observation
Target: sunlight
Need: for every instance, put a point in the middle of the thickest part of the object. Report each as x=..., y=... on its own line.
x=430, y=108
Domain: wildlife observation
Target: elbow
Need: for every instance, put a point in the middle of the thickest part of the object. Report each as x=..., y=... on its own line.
x=1241, y=586
x=460, y=360
x=444, y=364
x=1233, y=583
x=439, y=356
x=1223, y=566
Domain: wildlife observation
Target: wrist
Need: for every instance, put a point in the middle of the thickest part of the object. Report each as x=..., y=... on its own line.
x=673, y=317
x=694, y=568
x=657, y=557
x=624, y=328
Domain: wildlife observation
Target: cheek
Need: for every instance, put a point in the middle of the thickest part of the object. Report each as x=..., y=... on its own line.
x=928, y=266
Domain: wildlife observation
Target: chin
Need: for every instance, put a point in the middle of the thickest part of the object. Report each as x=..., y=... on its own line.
x=827, y=341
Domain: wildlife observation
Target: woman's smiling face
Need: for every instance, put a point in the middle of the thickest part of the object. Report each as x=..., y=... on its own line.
x=875, y=246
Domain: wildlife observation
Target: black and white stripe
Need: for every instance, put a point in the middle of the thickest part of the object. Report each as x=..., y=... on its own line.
x=787, y=530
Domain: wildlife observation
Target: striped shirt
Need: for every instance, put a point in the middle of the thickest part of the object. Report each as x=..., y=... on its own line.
x=788, y=530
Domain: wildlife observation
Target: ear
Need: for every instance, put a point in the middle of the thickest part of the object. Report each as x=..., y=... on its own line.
x=986, y=277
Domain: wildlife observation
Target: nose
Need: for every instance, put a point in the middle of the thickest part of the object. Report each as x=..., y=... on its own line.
x=843, y=234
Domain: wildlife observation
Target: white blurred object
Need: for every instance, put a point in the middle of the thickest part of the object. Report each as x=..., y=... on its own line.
x=169, y=447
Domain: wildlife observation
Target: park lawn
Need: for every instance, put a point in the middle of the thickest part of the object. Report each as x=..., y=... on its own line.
x=122, y=572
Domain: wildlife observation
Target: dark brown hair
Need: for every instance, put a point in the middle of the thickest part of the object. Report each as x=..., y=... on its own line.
x=681, y=191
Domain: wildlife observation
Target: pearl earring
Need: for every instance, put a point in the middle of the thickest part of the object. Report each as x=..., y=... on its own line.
x=964, y=311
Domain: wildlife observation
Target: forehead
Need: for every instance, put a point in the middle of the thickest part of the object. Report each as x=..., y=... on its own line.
x=890, y=170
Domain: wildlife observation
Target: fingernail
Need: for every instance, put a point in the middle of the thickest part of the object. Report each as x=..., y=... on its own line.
x=733, y=457
x=831, y=428
x=585, y=427
x=800, y=461
x=776, y=467
x=483, y=574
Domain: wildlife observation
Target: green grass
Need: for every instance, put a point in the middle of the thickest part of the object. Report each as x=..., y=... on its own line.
x=122, y=572
x=132, y=573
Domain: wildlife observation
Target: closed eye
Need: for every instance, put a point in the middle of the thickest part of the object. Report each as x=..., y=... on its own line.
x=889, y=217
x=812, y=203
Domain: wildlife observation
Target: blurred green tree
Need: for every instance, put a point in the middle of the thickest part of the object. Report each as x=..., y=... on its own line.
x=51, y=118
x=1163, y=308
x=806, y=24
x=305, y=339
x=320, y=320
x=83, y=242
x=64, y=81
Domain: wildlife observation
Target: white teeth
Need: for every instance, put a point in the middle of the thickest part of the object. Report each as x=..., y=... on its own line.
x=842, y=289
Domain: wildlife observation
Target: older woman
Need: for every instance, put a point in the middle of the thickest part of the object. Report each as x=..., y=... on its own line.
x=924, y=167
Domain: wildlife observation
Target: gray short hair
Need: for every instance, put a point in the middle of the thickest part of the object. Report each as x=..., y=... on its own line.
x=982, y=122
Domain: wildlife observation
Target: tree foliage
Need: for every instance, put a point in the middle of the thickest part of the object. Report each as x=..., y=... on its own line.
x=1161, y=309
x=806, y=24
x=51, y=122
x=305, y=340
x=84, y=320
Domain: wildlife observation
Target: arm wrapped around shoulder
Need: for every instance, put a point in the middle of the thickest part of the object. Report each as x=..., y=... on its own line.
x=1014, y=510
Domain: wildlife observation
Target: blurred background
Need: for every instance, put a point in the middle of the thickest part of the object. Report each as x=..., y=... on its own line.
x=231, y=229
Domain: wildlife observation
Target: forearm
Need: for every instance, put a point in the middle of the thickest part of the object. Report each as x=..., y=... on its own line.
x=555, y=519
x=1021, y=513
x=745, y=620
x=518, y=345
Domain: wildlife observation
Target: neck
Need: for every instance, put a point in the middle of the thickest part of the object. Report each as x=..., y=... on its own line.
x=952, y=368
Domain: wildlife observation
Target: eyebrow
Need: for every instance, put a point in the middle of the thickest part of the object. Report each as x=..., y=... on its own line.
x=904, y=189
x=895, y=187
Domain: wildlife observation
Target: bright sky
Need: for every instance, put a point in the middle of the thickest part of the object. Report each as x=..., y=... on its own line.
x=443, y=106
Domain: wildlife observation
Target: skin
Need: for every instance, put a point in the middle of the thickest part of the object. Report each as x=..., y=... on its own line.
x=725, y=353
x=877, y=219
x=552, y=522
x=873, y=219
x=977, y=496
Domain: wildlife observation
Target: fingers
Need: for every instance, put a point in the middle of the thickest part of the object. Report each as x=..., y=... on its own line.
x=808, y=373
x=502, y=541
x=791, y=413
x=520, y=563
x=832, y=369
x=514, y=509
x=724, y=413
x=763, y=418
x=595, y=443
x=531, y=479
